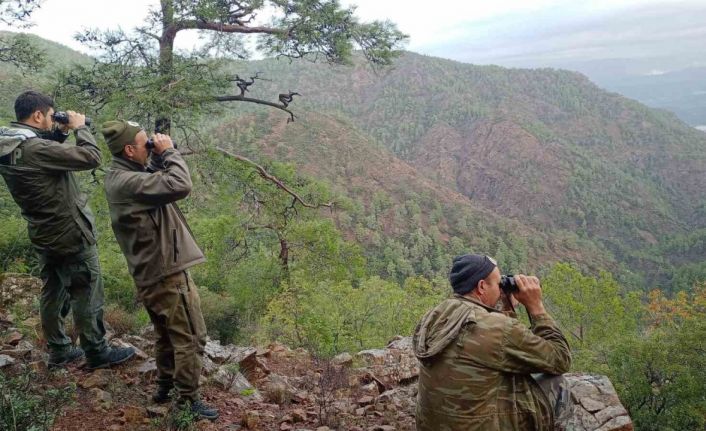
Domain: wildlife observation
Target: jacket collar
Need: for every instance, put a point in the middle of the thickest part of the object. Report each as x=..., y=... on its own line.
x=16, y=125
x=475, y=301
x=124, y=164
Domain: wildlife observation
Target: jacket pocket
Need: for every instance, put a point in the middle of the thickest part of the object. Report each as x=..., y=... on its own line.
x=175, y=245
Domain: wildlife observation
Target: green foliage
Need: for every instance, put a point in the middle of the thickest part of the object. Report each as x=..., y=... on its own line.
x=19, y=51
x=27, y=405
x=593, y=312
x=181, y=418
x=659, y=376
x=330, y=318
x=16, y=253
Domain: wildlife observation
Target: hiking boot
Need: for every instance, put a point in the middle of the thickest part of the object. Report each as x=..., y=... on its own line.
x=201, y=410
x=161, y=395
x=60, y=359
x=110, y=356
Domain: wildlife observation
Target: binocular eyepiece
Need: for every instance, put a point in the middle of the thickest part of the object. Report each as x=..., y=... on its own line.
x=63, y=118
x=508, y=284
x=150, y=144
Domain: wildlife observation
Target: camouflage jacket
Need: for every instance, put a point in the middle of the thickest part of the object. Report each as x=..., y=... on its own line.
x=39, y=174
x=475, y=365
x=150, y=228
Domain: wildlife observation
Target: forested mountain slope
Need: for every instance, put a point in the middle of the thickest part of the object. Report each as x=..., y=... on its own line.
x=546, y=147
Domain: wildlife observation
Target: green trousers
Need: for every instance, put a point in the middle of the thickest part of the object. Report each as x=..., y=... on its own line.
x=72, y=283
x=174, y=308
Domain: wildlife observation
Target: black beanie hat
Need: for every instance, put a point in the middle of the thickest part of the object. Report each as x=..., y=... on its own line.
x=468, y=270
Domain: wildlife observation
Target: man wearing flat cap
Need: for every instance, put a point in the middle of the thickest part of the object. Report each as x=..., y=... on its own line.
x=39, y=171
x=142, y=187
x=479, y=366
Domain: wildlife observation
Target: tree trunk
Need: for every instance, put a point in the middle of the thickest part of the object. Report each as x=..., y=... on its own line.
x=163, y=120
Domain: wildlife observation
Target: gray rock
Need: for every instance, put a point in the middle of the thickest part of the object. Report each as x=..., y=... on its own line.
x=343, y=359
x=6, y=360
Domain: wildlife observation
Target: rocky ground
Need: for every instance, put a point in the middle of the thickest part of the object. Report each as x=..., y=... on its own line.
x=254, y=388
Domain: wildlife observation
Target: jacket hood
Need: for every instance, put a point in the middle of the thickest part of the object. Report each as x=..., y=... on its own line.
x=12, y=137
x=441, y=325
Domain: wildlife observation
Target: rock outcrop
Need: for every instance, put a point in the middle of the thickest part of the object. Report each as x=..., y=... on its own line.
x=595, y=404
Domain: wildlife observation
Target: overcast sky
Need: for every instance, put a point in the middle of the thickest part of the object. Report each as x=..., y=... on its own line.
x=654, y=35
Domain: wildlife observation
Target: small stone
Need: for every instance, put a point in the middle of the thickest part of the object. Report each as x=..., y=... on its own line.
x=133, y=414
x=148, y=369
x=343, y=359
x=592, y=405
x=101, y=397
x=285, y=426
x=6, y=360
x=366, y=400
x=609, y=413
x=97, y=379
x=298, y=415
x=620, y=423
x=13, y=338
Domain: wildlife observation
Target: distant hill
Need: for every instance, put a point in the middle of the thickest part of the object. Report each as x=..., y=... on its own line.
x=12, y=82
x=682, y=92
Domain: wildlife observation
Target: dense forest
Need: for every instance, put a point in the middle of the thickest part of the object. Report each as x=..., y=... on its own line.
x=403, y=168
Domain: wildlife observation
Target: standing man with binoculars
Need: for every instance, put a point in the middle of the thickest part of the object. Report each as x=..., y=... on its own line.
x=146, y=179
x=38, y=171
x=479, y=366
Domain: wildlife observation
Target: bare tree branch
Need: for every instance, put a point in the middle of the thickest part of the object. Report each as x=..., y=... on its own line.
x=276, y=181
x=240, y=98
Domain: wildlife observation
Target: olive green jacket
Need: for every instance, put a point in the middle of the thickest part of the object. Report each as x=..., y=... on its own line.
x=39, y=175
x=475, y=365
x=150, y=228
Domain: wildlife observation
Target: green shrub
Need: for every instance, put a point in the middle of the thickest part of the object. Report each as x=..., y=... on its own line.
x=331, y=318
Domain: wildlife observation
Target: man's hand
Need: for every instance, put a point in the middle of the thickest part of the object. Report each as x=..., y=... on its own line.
x=529, y=294
x=161, y=143
x=76, y=120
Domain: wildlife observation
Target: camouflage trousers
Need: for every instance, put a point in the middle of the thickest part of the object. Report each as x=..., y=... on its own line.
x=557, y=391
x=72, y=283
x=174, y=308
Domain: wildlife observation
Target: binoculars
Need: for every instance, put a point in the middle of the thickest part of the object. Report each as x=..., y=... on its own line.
x=508, y=284
x=150, y=144
x=63, y=118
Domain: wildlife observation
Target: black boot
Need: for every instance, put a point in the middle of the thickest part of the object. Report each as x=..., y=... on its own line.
x=110, y=356
x=201, y=410
x=161, y=395
x=59, y=359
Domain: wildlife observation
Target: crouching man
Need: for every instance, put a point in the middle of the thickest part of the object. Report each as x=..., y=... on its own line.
x=478, y=363
x=142, y=191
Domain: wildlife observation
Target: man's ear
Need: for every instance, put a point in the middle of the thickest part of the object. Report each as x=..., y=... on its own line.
x=36, y=116
x=480, y=287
